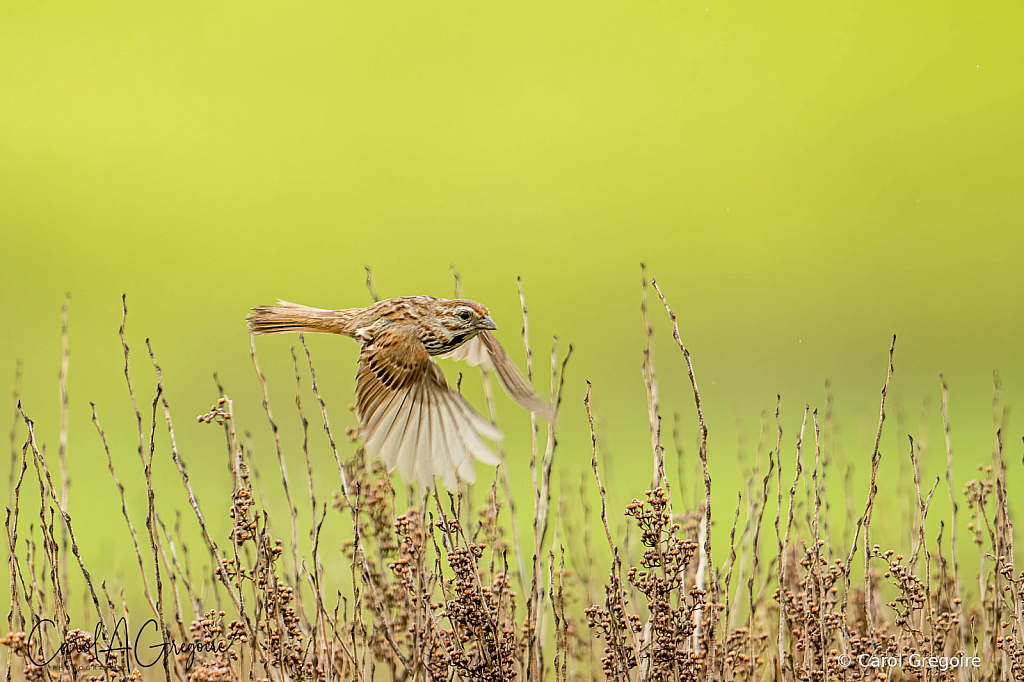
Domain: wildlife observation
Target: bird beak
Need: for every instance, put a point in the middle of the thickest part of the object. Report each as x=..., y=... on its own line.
x=487, y=323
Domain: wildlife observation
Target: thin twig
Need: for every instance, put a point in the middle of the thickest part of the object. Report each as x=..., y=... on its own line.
x=865, y=520
x=706, y=546
x=281, y=464
x=634, y=655
x=369, y=284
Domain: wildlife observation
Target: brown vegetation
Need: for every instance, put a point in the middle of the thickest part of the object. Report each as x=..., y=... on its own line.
x=442, y=591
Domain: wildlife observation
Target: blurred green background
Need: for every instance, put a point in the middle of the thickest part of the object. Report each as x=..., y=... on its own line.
x=804, y=180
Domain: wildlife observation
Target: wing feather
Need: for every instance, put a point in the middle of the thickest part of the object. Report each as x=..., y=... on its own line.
x=438, y=442
x=473, y=442
x=383, y=424
x=453, y=442
x=485, y=351
x=408, y=447
x=391, y=447
x=411, y=418
x=472, y=352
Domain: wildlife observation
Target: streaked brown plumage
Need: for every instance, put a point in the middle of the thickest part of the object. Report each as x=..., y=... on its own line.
x=407, y=413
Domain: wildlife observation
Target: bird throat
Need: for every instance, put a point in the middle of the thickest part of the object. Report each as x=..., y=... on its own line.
x=440, y=345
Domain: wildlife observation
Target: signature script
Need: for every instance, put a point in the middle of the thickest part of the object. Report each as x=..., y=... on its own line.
x=67, y=649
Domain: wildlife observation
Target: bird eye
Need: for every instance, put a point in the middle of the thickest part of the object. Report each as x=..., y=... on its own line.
x=464, y=315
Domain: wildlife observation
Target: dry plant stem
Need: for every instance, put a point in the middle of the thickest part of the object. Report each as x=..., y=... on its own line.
x=357, y=592
x=369, y=284
x=529, y=378
x=875, y=460
x=128, y=379
x=565, y=622
x=62, y=380
x=1004, y=543
x=12, y=533
x=492, y=620
x=785, y=546
x=438, y=571
x=534, y=604
x=865, y=519
x=327, y=423
x=316, y=579
x=187, y=572
x=732, y=553
x=51, y=550
x=680, y=478
x=237, y=599
x=305, y=445
x=710, y=660
x=543, y=507
x=650, y=383
x=780, y=556
x=284, y=469
x=351, y=503
x=174, y=567
x=699, y=578
x=778, y=483
x=616, y=562
x=920, y=540
x=16, y=401
x=131, y=393
x=827, y=438
x=33, y=587
x=653, y=411
x=1018, y=601
x=588, y=556
x=154, y=538
x=458, y=280
x=1004, y=553
x=820, y=580
x=357, y=548
x=237, y=468
x=757, y=558
x=124, y=511
x=12, y=542
x=559, y=644
x=505, y=485
x=923, y=506
x=995, y=534
x=449, y=542
x=753, y=504
x=176, y=605
x=316, y=583
x=533, y=436
x=378, y=606
x=41, y=464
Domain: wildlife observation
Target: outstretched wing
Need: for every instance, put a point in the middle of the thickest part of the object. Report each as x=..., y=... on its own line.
x=485, y=351
x=409, y=416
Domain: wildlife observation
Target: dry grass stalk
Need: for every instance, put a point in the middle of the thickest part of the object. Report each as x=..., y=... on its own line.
x=427, y=602
x=16, y=402
x=706, y=546
x=62, y=381
x=783, y=548
x=865, y=520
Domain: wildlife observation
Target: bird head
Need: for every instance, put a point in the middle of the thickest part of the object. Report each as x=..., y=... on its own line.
x=461, y=317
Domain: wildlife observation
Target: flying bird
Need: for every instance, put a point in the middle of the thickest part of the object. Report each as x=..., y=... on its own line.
x=407, y=413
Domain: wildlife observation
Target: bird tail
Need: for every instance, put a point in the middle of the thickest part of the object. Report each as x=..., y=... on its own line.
x=291, y=317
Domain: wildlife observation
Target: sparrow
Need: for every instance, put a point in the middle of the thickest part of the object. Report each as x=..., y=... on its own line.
x=408, y=415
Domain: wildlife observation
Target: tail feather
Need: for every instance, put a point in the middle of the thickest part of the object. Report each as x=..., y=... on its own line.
x=291, y=317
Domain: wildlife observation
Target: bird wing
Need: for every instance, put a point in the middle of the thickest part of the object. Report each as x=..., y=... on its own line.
x=409, y=416
x=485, y=351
